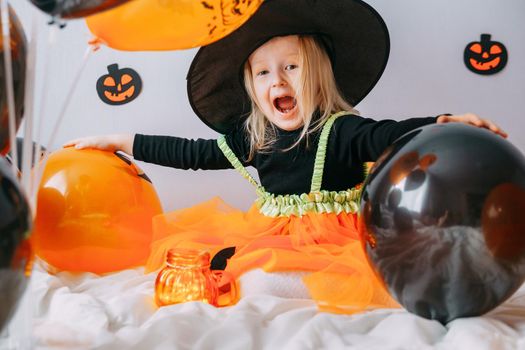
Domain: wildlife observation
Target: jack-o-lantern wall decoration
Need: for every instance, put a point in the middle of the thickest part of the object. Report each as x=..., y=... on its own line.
x=119, y=86
x=485, y=56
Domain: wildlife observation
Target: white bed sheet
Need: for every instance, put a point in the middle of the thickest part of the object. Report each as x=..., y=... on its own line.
x=117, y=311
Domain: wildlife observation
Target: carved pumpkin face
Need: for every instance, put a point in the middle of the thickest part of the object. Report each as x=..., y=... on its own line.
x=485, y=56
x=120, y=86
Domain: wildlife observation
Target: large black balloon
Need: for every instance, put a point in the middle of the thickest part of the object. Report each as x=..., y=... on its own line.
x=18, y=59
x=443, y=220
x=75, y=8
x=15, y=251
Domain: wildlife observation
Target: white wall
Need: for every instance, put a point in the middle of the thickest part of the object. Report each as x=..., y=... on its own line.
x=425, y=76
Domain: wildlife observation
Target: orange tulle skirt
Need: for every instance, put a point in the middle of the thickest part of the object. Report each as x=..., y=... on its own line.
x=325, y=245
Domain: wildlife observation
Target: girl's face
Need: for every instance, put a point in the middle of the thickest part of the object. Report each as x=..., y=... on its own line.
x=275, y=70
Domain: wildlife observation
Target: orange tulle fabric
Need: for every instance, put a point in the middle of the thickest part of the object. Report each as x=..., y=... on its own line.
x=325, y=245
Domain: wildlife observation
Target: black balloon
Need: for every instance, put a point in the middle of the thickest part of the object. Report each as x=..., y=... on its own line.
x=18, y=58
x=75, y=8
x=15, y=251
x=443, y=220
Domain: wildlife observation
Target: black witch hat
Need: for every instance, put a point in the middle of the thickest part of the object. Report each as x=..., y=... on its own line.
x=354, y=34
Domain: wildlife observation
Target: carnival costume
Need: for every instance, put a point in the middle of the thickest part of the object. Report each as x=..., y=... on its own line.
x=305, y=217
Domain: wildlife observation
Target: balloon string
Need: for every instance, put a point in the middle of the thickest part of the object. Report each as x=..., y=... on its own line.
x=8, y=67
x=39, y=171
x=28, y=148
x=69, y=96
x=40, y=163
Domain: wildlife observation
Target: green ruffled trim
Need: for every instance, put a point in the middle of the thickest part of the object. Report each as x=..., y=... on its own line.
x=230, y=155
x=315, y=202
x=317, y=177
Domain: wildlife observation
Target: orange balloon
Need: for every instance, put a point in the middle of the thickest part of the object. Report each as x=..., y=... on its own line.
x=169, y=24
x=94, y=212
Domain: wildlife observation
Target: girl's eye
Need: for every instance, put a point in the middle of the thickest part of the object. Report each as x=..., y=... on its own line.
x=290, y=67
x=261, y=73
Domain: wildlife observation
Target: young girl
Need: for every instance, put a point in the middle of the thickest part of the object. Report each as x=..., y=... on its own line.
x=281, y=90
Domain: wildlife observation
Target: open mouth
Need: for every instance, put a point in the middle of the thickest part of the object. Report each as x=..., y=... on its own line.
x=285, y=104
x=119, y=96
x=485, y=65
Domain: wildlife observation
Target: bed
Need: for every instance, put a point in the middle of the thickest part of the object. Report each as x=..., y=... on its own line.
x=117, y=311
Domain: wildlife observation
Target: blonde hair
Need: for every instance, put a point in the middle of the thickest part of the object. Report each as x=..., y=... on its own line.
x=316, y=88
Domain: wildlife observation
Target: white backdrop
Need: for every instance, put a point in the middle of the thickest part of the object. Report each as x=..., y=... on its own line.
x=425, y=76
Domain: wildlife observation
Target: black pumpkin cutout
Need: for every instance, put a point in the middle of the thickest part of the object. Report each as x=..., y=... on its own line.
x=485, y=56
x=119, y=86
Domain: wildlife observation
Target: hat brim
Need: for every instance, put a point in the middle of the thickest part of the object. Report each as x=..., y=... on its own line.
x=359, y=48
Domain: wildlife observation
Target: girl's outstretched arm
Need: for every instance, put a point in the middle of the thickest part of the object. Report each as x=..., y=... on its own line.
x=472, y=119
x=112, y=143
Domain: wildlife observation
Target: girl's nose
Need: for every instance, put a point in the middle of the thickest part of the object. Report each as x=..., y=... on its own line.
x=278, y=80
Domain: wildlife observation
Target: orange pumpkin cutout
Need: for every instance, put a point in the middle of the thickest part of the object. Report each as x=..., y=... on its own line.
x=485, y=56
x=156, y=25
x=94, y=212
x=119, y=86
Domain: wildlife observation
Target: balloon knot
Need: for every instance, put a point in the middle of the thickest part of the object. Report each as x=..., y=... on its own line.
x=95, y=43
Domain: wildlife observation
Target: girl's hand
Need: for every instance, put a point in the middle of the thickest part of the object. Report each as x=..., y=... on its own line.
x=112, y=143
x=472, y=119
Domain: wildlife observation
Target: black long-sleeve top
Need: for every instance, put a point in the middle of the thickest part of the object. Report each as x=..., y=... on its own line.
x=353, y=140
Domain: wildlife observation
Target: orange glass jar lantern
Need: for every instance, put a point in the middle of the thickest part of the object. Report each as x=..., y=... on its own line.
x=187, y=277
